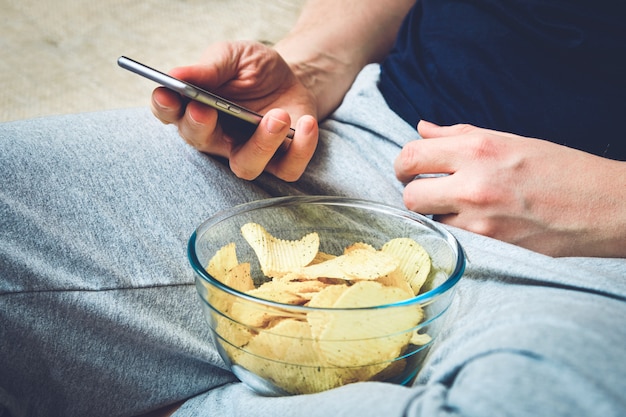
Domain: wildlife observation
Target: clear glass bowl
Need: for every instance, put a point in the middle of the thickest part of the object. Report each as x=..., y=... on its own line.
x=290, y=358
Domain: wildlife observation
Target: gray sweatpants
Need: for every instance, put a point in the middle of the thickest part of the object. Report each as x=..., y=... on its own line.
x=99, y=315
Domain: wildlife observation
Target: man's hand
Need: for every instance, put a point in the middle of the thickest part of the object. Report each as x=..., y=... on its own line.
x=256, y=77
x=529, y=192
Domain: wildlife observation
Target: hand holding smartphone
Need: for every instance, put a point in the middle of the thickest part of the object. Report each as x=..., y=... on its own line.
x=238, y=121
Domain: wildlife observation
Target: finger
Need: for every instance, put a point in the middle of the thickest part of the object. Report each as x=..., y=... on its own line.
x=429, y=130
x=426, y=157
x=291, y=164
x=249, y=160
x=452, y=219
x=454, y=147
x=167, y=105
x=432, y=195
x=219, y=65
x=199, y=128
x=455, y=220
x=205, y=76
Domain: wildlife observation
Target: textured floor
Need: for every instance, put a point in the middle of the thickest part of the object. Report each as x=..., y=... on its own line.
x=59, y=56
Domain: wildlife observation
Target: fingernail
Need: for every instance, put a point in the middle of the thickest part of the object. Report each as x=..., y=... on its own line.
x=274, y=125
x=158, y=105
x=191, y=118
x=305, y=125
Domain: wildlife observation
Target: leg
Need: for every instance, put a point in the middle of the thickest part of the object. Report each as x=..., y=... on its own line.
x=99, y=314
x=97, y=302
x=92, y=252
x=527, y=335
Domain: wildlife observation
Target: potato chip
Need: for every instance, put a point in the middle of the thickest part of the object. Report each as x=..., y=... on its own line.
x=361, y=337
x=356, y=264
x=396, y=279
x=420, y=339
x=321, y=257
x=278, y=256
x=254, y=315
x=224, y=267
x=326, y=298
x=288, y=357
x=359, y=245
x=239, y=278
x=365, y=264
x=223, y=261
x=296, y=378
x=368, y=294
x=288, y=341
x=273, y=354
x=288, y=292
x=277, y=291
x=414, y=260
x=307, y=289
x=232, y=333
x=338, y=342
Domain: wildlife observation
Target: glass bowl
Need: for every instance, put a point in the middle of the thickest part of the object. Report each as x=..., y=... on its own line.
x=285, y=348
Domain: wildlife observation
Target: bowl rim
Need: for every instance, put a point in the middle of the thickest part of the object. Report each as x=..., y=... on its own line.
x=422, y=298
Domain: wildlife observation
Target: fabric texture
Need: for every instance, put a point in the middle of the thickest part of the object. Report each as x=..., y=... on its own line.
x=551, y=70
x=99, y=315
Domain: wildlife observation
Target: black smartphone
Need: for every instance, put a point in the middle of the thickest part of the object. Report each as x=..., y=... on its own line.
x=235, y=120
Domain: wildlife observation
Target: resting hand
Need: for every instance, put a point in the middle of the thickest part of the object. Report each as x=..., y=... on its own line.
x=256, y=77
x=529, y=192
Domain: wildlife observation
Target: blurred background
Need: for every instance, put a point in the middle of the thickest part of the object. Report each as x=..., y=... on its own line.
x=59, y=56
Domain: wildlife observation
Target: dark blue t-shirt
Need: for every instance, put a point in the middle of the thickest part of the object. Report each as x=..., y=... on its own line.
x=554, y=70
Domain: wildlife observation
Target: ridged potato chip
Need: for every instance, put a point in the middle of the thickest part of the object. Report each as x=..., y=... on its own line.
x=326, y=298
x=225, y=267
x=236, y=334
x=356, y=264
x=254, y=316
x=278, y=256
x=340, y=340
x=396, y=279
x=288, y=292
x=414, y=260
x=359, y=245
x=240, y=278
x=367, y=337
x=222, y=262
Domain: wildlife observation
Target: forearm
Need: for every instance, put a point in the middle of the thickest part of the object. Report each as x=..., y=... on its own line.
x=333, y=39
x=588, y=216
x=610, y=217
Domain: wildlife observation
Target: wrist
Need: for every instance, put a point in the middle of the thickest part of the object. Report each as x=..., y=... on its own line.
x=325, y=75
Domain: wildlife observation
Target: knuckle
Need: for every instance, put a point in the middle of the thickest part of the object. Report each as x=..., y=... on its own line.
x=241, y=171
x=484, y=146
x=484, y=226
x=464, y=128
x=408, y=156
x=476, y=193
x=261, y=148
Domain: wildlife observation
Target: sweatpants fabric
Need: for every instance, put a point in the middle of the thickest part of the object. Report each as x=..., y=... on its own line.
x=99, y=315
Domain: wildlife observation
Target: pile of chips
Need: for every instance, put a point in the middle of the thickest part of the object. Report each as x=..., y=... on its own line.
x=348, y=335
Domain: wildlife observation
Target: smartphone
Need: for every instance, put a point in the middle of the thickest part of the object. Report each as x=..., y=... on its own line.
x=237, y=121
